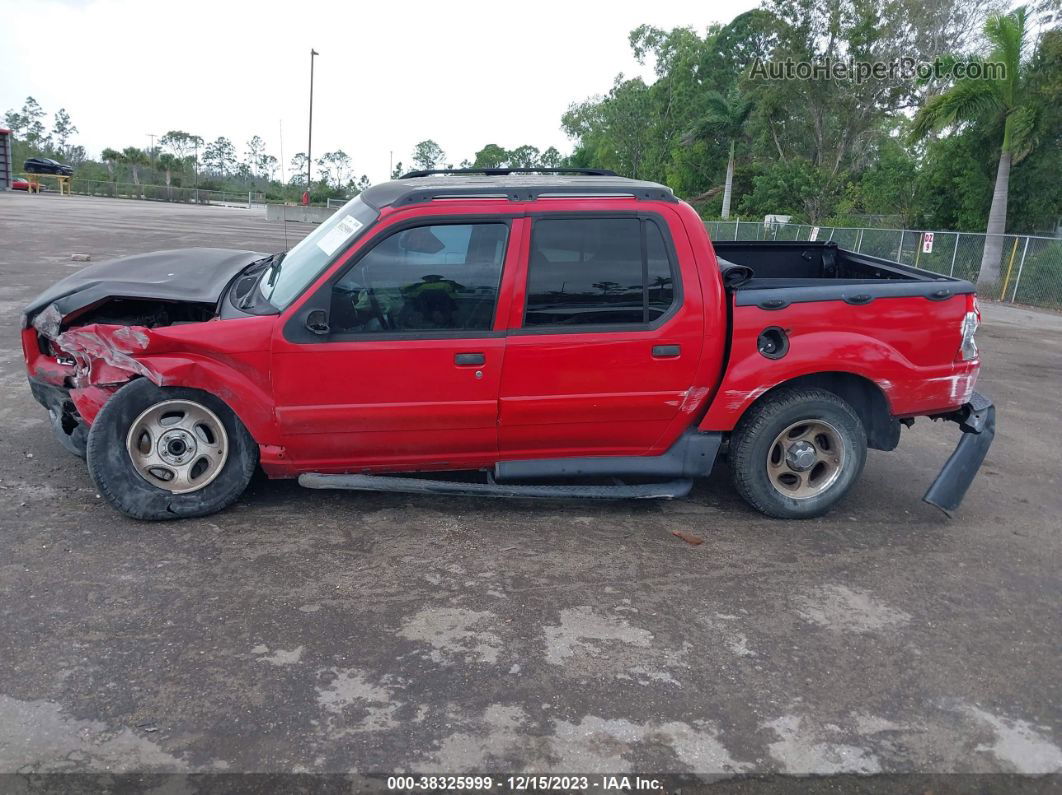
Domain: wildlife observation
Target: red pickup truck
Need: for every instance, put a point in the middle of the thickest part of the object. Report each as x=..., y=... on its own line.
x=568, y=334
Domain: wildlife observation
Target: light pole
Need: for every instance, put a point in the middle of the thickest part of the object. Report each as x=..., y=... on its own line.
x=309, y=142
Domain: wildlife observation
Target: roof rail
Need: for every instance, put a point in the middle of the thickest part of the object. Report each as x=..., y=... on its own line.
x=501, y=172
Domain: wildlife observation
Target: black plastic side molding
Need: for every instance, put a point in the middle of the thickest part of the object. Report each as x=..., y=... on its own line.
x=692, y=456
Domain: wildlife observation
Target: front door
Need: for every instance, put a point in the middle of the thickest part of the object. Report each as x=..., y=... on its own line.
x=407, y=374
x=604, y=359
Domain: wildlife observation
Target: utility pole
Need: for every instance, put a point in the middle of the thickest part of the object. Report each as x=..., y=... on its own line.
x=151, y=147
x=309, y=142
x=195, y=168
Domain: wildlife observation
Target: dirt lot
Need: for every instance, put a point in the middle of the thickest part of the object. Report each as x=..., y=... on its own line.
x=331, y=631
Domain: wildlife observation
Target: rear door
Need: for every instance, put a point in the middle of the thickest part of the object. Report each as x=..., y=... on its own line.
x=605, y=338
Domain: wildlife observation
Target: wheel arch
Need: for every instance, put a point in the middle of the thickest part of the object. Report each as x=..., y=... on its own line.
x=865, y=397
x=246, y=399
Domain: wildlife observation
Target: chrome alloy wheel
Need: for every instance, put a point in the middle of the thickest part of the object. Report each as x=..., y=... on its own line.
x=805, y=459
x=178, y=445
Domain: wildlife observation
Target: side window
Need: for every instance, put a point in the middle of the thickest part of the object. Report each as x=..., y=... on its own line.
x=661, y=282
x=428, y=278
x=597, y=271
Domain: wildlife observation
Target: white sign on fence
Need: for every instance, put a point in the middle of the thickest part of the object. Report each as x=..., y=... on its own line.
x=814, y=235
x=927, y=243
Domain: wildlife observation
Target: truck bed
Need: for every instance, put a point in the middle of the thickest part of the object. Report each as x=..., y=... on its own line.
x=774, y=274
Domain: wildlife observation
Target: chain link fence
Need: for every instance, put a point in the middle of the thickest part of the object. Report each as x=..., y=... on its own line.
x=165, y=193
x=1030, y=267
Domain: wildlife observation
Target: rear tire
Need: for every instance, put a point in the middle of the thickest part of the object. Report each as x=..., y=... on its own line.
x=797, y=452
x=228, y=461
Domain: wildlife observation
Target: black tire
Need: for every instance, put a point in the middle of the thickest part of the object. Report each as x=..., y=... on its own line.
x=752, y=441
x=123, y=487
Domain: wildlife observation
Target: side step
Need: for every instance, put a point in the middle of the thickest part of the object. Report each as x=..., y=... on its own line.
x=671, y=489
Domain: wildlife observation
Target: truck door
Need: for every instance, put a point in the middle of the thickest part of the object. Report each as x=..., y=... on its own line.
x=605, y=342
x=407, y=373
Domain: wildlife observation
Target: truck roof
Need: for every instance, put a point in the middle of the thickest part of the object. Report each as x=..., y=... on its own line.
x=509, y=184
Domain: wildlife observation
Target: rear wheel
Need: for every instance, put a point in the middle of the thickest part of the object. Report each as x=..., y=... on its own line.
x=797, y=452
x=167, y=453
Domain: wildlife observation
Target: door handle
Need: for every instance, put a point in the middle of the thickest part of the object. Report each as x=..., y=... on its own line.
x=469, y=359
x=666, y=351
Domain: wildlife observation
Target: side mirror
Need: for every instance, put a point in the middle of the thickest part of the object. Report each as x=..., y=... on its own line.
x=317, y=322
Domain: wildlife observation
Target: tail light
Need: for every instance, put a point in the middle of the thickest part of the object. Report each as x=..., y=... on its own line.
x=970, y=323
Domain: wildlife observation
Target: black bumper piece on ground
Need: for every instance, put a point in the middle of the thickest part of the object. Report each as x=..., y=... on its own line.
x=69, y=429
x=978, y=422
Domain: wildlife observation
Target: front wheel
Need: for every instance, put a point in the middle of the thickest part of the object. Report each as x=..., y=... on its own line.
x=797, y=452
x=169, y=452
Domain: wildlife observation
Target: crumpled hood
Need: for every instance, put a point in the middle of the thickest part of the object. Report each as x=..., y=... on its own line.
x=197, y=275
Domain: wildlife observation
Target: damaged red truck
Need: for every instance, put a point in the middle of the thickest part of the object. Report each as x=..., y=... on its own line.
x=568, y=334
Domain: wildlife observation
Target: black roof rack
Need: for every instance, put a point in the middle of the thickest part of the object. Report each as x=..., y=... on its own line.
x=512, y=184
x=501, y=172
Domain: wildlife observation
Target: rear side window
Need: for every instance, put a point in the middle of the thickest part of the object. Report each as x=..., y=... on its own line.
x=597, y=271
x=429, y=278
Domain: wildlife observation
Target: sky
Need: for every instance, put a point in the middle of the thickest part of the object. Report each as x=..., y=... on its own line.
x=389, y=74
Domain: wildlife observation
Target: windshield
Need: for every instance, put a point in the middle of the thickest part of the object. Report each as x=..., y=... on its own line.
x=305, y=262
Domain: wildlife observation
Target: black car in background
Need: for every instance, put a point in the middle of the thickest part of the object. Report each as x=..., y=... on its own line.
x=45, y=165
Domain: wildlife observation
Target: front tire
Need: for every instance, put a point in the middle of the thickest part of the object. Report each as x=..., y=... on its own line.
x=797, y=452
x=169, y=452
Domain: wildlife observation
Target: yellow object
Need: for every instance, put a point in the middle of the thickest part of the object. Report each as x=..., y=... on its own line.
x=62, y=183
x=1010, y=266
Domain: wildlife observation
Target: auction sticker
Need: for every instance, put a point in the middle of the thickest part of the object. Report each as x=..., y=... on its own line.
x=339, y=234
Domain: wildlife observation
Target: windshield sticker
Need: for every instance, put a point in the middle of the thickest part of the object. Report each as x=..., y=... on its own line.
x=339, y=234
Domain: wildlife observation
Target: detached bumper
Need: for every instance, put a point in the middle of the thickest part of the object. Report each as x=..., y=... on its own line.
x=977, y=419
x=67, y=424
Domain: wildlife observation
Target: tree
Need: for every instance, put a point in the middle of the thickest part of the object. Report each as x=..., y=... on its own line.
x=255, y=150
x=111, y=158
x=76, y=155
x=725, y=119
x=28, y=125
x=134, y=158
x=1004, y=105
x=298, y=168
x=335, y=166
x=168, y=163
x=397, y=171
x=266, y=166
x=220, y=156
x=360, y=186
x=615, y=131
x=550, y=158
x=491, y=156
x=62, y=130
x=525, y=156
x=181, y=143
x=427, y=155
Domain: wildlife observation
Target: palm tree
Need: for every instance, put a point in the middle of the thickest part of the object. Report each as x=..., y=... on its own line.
x=724, y=119
x=1006, y=106
x=135, y=158
x=111, y=157
x=168, y=163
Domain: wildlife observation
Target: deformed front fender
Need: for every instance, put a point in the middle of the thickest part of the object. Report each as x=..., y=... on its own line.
x=108, y=356
x=230, y=381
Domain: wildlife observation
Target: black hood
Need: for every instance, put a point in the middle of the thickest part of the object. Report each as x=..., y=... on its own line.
x=198, y=275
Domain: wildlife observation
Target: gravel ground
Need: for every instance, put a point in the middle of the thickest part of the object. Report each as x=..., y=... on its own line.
x=378, y=633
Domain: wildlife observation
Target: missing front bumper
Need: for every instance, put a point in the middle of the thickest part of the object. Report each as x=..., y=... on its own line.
x=977, y=419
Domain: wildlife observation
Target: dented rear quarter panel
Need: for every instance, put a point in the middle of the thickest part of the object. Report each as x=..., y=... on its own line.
x=907, y=346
